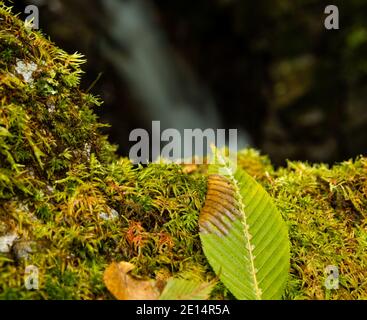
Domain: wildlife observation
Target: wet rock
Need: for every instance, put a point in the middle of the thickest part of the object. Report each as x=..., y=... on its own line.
x=7, y=241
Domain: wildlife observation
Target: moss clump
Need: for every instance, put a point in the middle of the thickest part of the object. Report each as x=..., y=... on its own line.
x=74, y=207
x=326, y=210
x=72, y=204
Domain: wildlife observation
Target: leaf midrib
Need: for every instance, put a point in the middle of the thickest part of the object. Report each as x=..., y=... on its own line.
x=248, y=236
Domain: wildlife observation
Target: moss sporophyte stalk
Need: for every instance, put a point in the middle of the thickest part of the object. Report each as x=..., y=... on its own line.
x=70, y=206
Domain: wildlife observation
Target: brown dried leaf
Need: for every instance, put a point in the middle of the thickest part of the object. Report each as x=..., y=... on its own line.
x=125, y=287
x=220, y=208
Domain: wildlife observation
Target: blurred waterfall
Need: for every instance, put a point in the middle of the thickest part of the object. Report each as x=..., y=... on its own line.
x=167, y=90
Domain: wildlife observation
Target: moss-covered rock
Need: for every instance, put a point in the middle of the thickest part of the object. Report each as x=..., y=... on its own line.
x=70, y=207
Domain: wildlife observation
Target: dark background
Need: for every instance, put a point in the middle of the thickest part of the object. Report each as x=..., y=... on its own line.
x=269, y=68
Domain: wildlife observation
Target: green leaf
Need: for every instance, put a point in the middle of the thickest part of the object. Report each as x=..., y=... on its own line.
x=185, y=289
x=243, y=235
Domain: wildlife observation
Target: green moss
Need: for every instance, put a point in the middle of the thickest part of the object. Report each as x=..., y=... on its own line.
x=326, y=210
x=61, y=185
